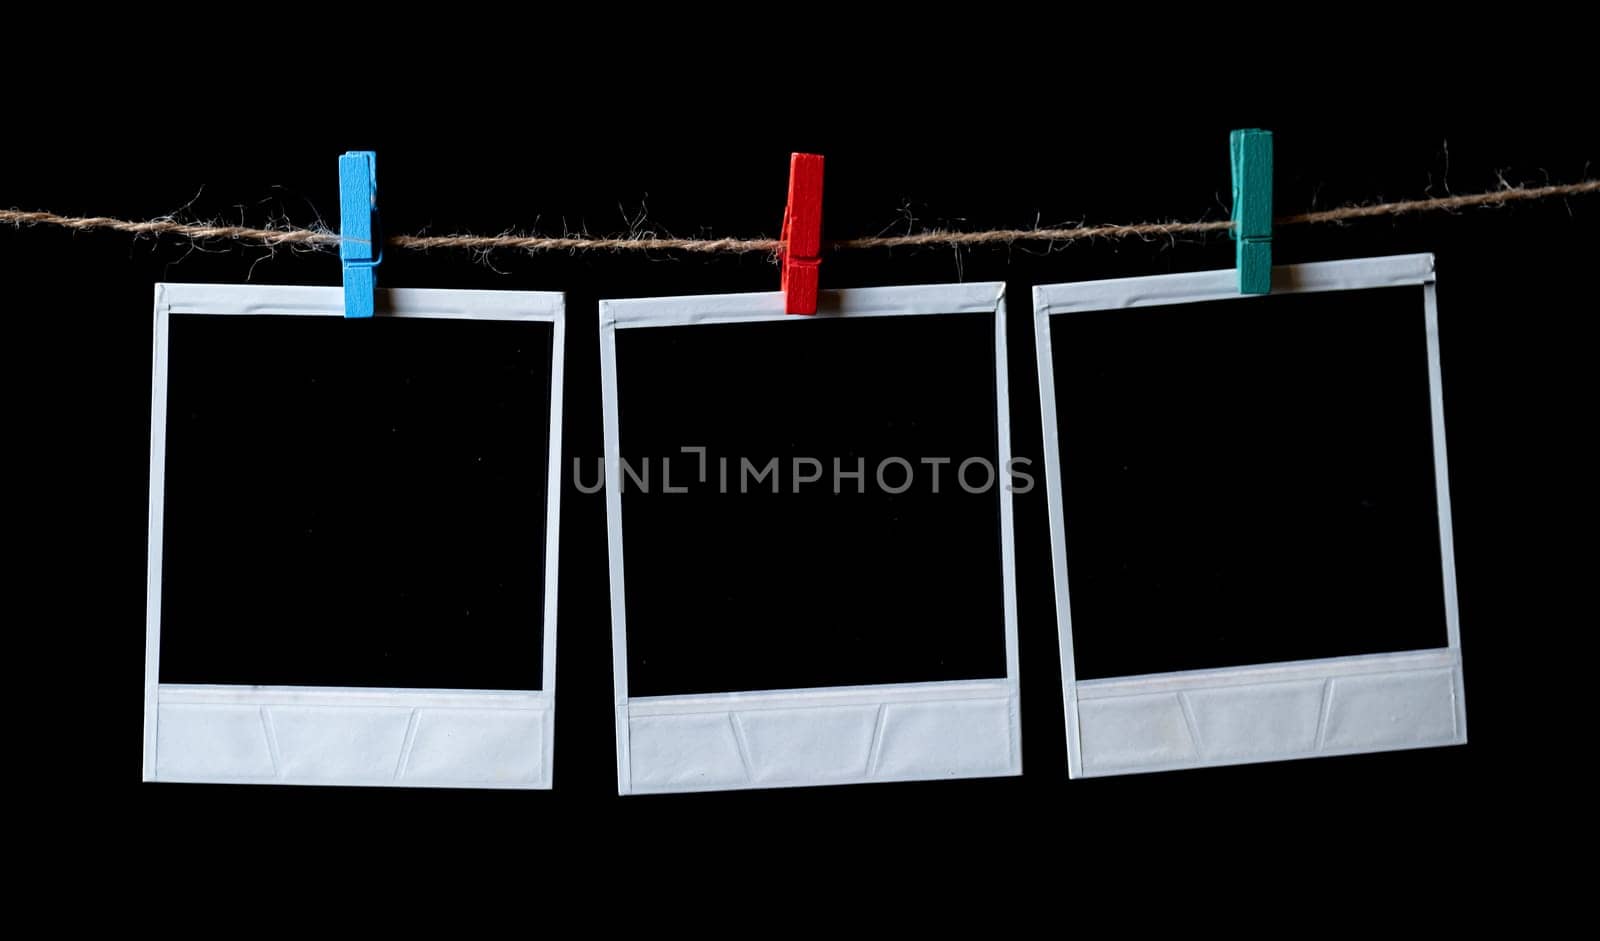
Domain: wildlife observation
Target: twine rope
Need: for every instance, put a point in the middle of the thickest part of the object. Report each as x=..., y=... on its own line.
x=322, y=238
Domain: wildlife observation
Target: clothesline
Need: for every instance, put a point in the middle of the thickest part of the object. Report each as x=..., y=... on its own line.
x=321, y=238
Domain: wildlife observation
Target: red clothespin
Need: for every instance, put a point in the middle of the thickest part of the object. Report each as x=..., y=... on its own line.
x=800, y=251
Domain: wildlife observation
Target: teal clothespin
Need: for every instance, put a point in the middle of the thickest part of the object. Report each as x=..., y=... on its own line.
x=1251, y=152
x=360, y=247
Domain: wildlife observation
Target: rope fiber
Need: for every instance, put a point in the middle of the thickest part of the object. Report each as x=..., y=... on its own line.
x=321, y=238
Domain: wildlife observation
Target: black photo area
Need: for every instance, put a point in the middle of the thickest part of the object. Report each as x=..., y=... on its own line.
x=1248, y=481
x=355, y=503
x=759, y=590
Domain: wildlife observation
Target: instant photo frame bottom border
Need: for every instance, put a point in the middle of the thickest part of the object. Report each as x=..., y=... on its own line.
x=224, y=734
x=1268, y=711
x=822, y=736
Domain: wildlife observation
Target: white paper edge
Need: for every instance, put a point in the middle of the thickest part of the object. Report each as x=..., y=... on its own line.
x=1164, y=290
x=739, y=308
x=300, y=300
x=236, y=299
x=1167, y=289
x=976, y=298
x=1432, y=676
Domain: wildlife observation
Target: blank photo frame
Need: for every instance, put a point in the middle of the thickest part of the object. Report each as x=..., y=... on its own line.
x=353, y=538
x=750, y=645
x=1322, y=631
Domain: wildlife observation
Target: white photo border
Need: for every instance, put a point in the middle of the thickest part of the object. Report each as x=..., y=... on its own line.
x=826, y=735
x=229, y=734
x=1268, y=711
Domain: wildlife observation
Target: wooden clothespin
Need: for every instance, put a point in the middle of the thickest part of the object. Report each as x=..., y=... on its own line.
x=1251, y=153
x=360, y=247
x=800, y=251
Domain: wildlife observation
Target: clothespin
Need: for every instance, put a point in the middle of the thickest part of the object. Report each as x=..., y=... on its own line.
x=360, y=247
x=1251, y=153
x=800, y=251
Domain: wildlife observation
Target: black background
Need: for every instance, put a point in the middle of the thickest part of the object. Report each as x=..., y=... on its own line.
x=864, y=585
x=1248, y=481
x=1516, y=299
x=355, y=503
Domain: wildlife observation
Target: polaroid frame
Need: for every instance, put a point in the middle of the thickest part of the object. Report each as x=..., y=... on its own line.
x=1267, y=711
x=824, y=735
x=349, y=735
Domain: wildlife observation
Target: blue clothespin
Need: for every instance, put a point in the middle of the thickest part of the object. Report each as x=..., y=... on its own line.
x=360, y=247
x=1251, y=153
